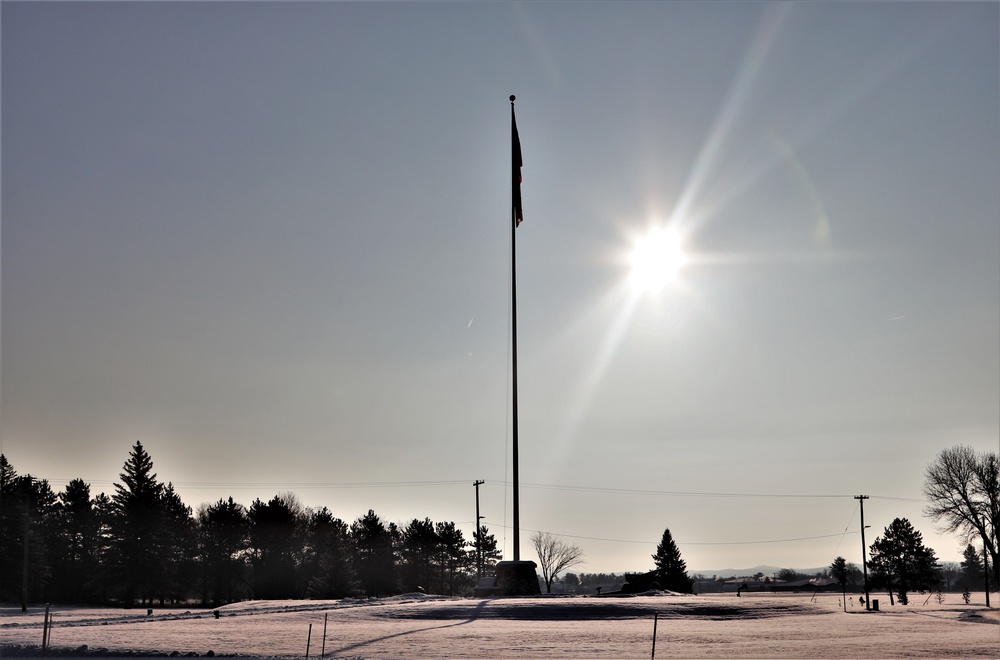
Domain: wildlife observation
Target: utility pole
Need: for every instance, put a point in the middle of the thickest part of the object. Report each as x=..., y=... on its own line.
x=864, y=556
x=479, y=549
x=24, y=572
x=986, y=572
x=27, y=537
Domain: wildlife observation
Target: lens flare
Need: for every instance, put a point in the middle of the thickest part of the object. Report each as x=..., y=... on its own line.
x=656, y=260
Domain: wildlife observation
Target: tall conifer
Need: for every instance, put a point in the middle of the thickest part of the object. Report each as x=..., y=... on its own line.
x=671, y=571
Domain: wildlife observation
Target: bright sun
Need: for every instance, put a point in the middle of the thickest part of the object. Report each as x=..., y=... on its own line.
x=656, y=260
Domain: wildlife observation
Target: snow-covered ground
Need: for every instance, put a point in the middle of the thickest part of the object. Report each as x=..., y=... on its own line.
x=420, y=626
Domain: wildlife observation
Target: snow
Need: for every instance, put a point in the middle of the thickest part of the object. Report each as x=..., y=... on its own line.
x=427, y=626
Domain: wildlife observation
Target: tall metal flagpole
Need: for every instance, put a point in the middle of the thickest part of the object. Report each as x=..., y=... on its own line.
x=515, y=578
x=515, y=195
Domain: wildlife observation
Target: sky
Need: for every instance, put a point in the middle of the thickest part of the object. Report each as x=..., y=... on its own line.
x=272, y=243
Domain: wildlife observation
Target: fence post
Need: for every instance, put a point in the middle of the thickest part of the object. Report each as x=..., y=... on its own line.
x=45, y=630
x=652, y=655
x=323, y=651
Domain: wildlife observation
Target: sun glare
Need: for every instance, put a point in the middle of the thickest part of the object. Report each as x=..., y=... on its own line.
x=656, y=260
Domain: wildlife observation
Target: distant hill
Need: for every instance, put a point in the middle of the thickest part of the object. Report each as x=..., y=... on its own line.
x=768, y=571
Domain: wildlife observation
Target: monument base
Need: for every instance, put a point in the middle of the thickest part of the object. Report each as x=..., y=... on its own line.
x=517, y=578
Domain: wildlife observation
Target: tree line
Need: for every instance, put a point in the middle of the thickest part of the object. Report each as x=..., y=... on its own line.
x=143, y=545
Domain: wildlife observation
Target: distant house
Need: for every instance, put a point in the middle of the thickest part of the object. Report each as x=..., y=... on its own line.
x=810, y=584
x=636, y=583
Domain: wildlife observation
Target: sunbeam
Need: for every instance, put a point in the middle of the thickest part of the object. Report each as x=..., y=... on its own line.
x=590, y=382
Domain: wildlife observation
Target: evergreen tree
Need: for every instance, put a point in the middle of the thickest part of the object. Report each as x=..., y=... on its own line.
x=971, y=578
x=489, y=550
x=78, y=550
x=13, y=505
x=224, y=535
x=901, y=562
x=328, y=562
x=418, y=552
x=102, y=583
x=274, y=541
x=671, y=570
x=840, y=571
x=178, y=546
x=28, y=509
x=135, y=530
x=374, y=559
x=454, y=559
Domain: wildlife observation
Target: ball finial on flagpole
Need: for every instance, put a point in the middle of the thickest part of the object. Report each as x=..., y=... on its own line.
x=511, y=98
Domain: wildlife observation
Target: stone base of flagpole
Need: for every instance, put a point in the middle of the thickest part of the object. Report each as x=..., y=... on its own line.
x=517, y=578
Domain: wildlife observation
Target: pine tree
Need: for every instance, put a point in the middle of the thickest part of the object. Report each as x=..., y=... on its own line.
x=671, y=571
x=374, y=559
x=135, y=530
x=418, y=552
x=12, y=508
x=274, y=540
x=224, y=534
x=489, y=550
x=27, y=515
x=77, y=553
x=455, y=561
x=901, y=562
x=178, y=546
x=840, y=571
x=972, y=569
x=328, y=562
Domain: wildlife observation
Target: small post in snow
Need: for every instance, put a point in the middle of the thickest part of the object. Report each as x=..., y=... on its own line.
x=652, y=655
x=323, y=650
x=46, y=625
x=309, y=639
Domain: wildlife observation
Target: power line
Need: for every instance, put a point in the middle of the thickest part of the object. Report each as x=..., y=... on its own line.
x=249, y=485
x=791, y=540
x=681, y=493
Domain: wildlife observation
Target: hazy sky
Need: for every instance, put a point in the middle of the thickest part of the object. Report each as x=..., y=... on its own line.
x=271, y=242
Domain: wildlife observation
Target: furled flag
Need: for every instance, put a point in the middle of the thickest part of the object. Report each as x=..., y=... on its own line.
x=515, y=159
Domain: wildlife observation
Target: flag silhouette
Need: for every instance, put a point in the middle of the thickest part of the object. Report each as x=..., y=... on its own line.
x=515, y=160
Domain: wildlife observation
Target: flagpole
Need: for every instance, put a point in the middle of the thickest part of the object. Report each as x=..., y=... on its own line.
x=513, y=301
x=516, y=577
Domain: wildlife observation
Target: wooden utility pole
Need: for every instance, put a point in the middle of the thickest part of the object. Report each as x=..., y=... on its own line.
x=986, y=572
x=479, y=547
x=864, y=549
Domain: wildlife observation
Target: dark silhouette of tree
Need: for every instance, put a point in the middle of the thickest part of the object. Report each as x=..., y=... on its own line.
x=671, y=570
x=971, y=576
x=418, y=553
x=78, y=548
x=102, y=582
x=454, y=560
x=840, y=571
x=274, y=540
x=13, y=509
x=374, y=559
x=963, y=489
x=554, y=556
x=224, y=536
x=790, y=575
x=328, y=557
x=489, y=550
x=178, y=547
x=571, y=581
x=27, y=515
x=899, y=561
x=136, y=531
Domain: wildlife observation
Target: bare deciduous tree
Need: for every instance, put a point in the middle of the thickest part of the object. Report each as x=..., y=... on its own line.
x=964, y=492
x=554, y=556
